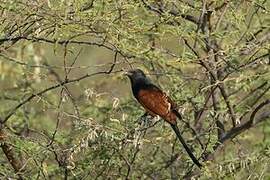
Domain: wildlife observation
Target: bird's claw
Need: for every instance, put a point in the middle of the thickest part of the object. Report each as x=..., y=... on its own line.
x=143, y=119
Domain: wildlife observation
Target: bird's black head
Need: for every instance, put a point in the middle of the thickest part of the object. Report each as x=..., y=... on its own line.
x=135, y=74
x=138, y=79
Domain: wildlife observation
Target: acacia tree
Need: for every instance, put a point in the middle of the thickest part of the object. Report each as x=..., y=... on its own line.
x=65, y=107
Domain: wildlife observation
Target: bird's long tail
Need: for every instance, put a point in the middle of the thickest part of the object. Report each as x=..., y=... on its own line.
x=178, y=134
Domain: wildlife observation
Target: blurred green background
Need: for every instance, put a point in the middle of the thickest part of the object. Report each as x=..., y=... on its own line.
x=211, y=57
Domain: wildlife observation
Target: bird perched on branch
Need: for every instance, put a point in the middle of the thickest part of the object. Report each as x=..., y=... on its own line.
x=156, y=102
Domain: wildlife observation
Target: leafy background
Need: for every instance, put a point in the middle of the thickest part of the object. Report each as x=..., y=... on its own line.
x=67, y=111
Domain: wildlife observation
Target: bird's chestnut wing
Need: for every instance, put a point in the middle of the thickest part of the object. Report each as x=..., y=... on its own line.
x=157, y=102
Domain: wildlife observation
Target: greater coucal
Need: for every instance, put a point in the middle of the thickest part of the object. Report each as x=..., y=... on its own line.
x=156, y=102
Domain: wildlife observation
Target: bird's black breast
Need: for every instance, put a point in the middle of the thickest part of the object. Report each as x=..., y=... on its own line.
x=140, y=82
x=136, y=87
x=142, y=85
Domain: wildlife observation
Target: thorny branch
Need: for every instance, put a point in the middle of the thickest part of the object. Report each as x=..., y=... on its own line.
x=28, y=99
x=216, y=64
x=233, y=132
x=8, y=150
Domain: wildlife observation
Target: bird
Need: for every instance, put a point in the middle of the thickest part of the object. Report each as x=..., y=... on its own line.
x=157, y=103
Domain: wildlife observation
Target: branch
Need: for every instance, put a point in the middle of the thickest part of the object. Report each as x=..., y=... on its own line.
x=64, y=42
x=216, y=116
x=13, y=111
x=249, y=24
x=25, y=64
x=251, y=93
x=161, y=11
x=9, y=153
x=228, y=103
x=53, y=41
x=233, y=132
x=260, y=106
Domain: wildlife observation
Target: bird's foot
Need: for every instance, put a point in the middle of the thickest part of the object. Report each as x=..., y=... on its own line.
x=144, y=119
x=147, y=121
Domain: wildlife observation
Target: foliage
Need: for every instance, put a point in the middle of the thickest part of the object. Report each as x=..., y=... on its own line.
x=67, y=111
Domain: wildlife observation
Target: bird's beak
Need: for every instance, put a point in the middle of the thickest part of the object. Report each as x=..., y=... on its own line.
x=126, y=73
